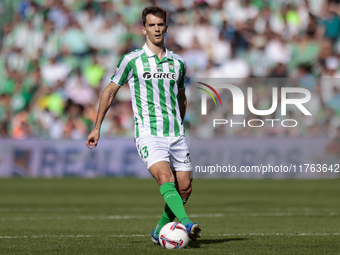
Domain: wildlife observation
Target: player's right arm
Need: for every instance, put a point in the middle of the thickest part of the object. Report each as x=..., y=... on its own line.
x=120, y=77
x=106, y=99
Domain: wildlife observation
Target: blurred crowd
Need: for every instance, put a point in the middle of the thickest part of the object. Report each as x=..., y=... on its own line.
x=58, y=55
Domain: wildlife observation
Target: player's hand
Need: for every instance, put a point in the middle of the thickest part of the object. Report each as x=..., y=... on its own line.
x=92, y=139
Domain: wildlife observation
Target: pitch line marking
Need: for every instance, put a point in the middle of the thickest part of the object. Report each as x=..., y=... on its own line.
x=209, y=215
x=136, y=235
x=235, y=209
x=110, y=217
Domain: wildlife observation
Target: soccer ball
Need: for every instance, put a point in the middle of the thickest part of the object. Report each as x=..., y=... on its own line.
x=174, y=235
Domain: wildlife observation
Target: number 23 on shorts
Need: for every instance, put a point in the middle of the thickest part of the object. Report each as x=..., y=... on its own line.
x=145, y=153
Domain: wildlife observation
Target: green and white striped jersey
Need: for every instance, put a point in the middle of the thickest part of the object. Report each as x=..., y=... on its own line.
x=154, y=86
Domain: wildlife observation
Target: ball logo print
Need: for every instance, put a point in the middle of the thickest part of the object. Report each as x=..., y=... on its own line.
x=174, y=235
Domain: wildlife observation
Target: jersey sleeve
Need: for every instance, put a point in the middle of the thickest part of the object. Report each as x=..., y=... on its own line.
x=123, y=71
x=182, y=73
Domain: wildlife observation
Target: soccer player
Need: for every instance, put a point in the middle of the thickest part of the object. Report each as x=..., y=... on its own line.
x=156, y=77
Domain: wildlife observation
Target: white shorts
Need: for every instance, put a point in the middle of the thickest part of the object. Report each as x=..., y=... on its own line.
x=174, y=150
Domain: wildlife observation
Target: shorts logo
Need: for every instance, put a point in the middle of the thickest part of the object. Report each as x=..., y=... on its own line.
x=147, y=75
x=159, y=75
x=187, y=158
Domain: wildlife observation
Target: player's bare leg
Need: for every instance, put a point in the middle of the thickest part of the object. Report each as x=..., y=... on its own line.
x=162, y=173
x=183, y=181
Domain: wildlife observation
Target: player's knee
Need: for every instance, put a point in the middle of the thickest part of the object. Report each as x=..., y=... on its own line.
x=186, y=191
x=163, y=178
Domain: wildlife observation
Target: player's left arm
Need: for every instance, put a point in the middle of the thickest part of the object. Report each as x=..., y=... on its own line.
x=182, y=103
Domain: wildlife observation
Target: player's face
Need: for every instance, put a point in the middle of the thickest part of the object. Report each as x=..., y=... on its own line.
x=155, y=29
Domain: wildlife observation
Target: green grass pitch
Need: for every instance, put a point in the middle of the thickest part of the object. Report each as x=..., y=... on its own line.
x=116, y=216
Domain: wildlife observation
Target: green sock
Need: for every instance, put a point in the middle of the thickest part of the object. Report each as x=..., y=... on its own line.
x=167, y=216
x=185, y=221
x=174, y=202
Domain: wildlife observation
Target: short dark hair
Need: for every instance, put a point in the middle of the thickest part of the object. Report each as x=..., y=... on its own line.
x=154, y=10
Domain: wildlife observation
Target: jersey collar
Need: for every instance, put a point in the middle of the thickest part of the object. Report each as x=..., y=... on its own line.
x=149, y=53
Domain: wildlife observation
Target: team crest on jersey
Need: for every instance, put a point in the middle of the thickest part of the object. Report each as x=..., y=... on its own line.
x=171, y=66
x=159, y=69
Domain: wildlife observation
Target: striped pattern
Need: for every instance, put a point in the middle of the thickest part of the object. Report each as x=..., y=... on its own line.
x=155, y=101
